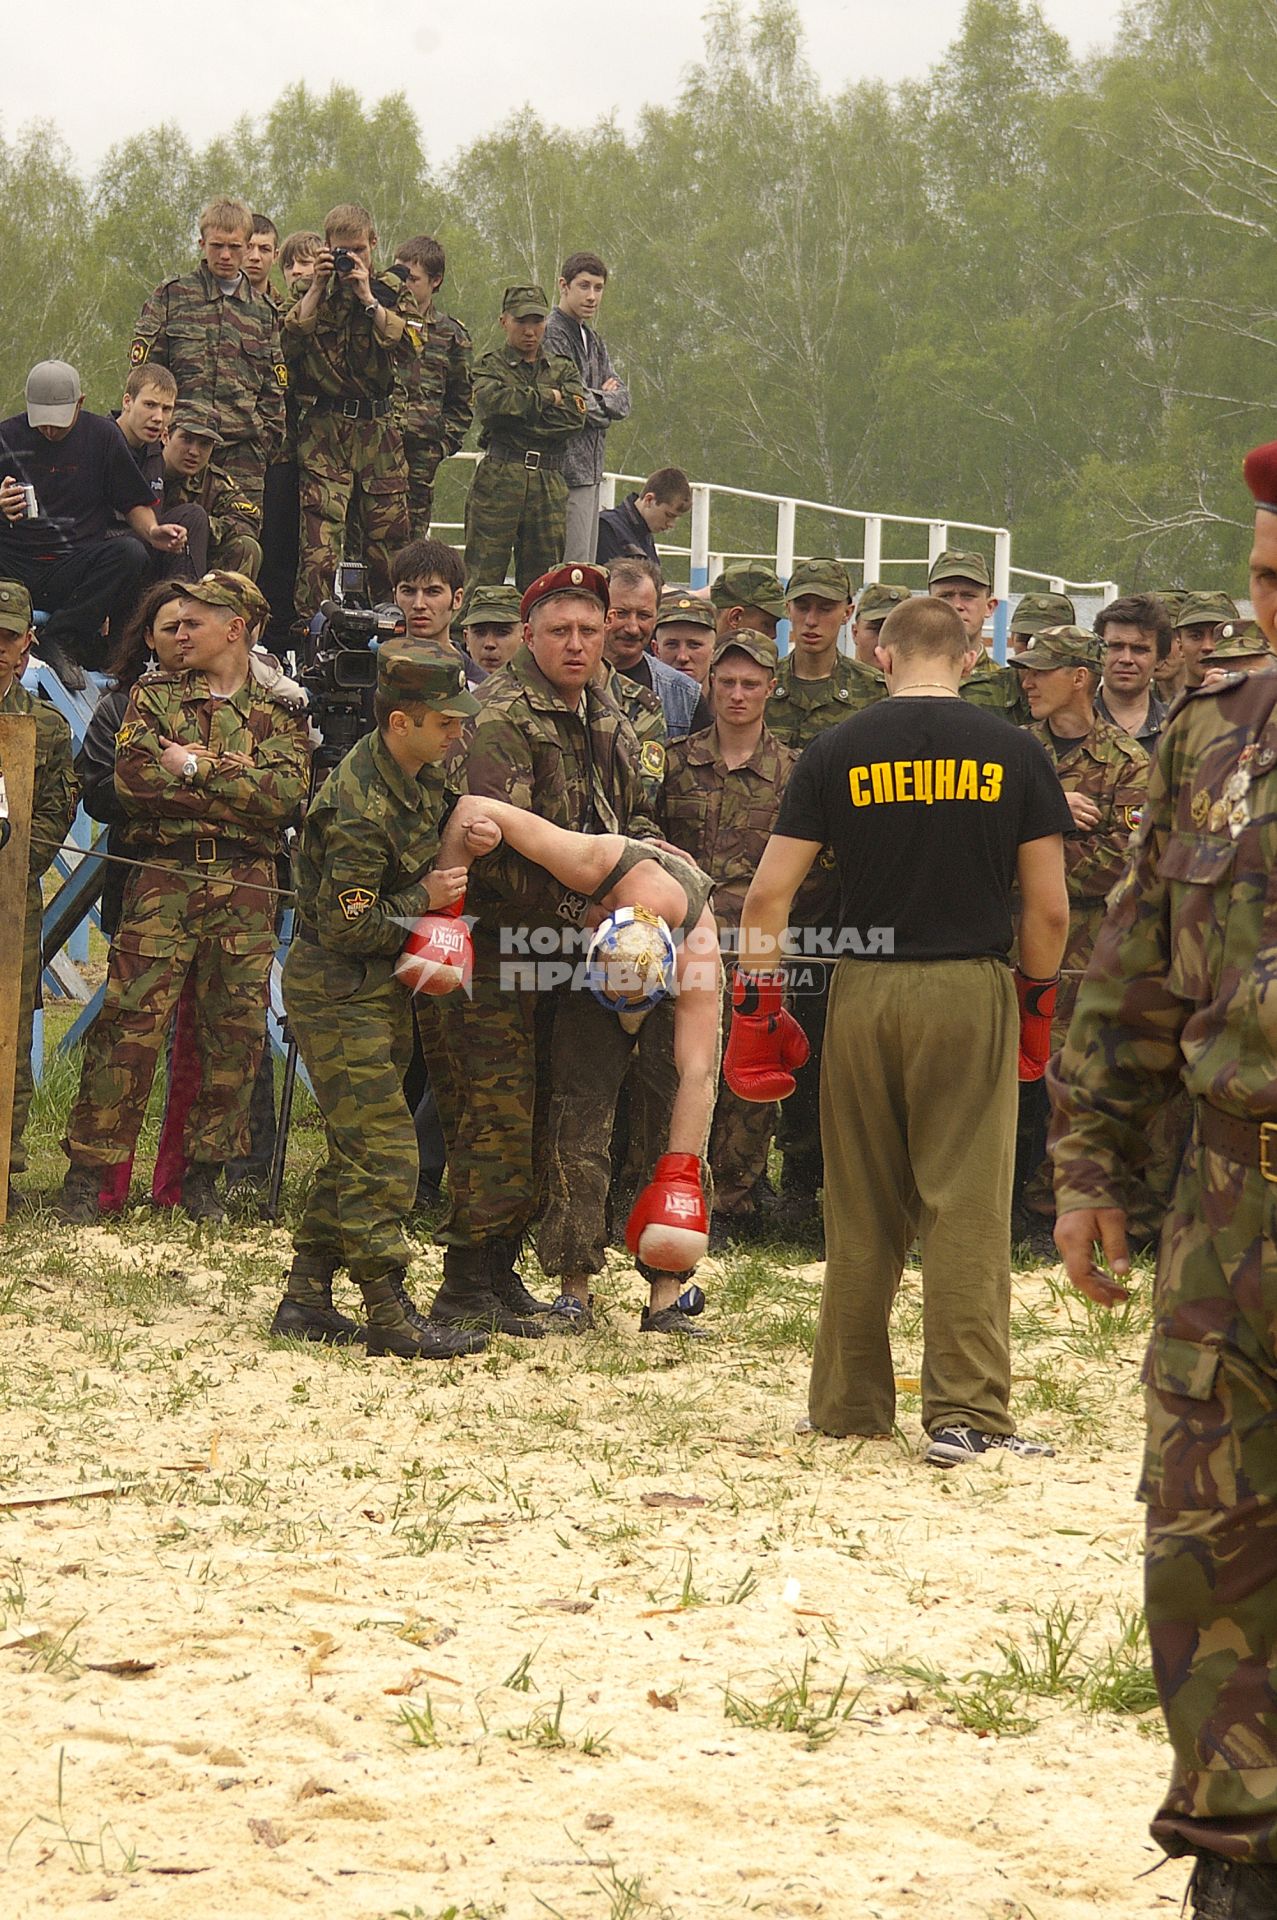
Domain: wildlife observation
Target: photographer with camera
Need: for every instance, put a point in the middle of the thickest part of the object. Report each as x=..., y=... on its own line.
x=344, y=338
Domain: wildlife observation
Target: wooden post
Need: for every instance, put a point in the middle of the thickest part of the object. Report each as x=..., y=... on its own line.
x=17, y=764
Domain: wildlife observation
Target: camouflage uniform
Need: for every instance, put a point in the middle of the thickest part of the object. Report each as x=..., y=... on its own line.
x=800, y=709
x=1178, y=991
x=434, y=405
x=350, y=453
x=204, y=903
x=518, y=498
x=53, y=803
x=223, y=349
x=234, y=517
x=643, y=710
x=998, y=690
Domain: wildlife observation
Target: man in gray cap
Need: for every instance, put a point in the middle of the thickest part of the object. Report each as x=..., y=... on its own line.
x=64, y=475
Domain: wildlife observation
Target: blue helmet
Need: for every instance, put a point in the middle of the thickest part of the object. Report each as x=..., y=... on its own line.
x=631, y=960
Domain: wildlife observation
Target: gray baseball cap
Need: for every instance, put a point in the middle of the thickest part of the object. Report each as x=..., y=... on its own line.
x=53, y=394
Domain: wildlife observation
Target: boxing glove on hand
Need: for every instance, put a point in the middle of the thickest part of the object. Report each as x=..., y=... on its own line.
x=668, y=1227
x=1037, y=1010
x=766, y=1044
x=438, y=954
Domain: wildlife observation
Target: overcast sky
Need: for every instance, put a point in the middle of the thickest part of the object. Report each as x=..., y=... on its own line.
x=104, y=69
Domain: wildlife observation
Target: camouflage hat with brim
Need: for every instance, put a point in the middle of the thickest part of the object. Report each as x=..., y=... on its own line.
x=191, y=417
x=525, y=303
x=749, y=585
x=877, y=600
x=682, y=605
x=234, y=591
x=955, y=564
x=1172, y=598
x=492, y=607
x=1037, y=611
x=1066, y=646
x=428, y=676
x=826, y=579
x=1240, y=640
x=15, y=607
x=1205, y=610
x=756, y=645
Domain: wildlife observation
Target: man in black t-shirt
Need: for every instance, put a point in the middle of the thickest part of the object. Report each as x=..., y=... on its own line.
x=82, y=474
x=935, y=810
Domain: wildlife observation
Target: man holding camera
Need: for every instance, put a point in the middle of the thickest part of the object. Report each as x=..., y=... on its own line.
x=346, y=335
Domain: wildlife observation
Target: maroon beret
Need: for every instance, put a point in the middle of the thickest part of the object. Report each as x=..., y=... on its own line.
x=1260, y=469
x=574, y=577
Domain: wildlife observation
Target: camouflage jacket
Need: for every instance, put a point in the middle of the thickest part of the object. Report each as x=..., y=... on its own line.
x=224, y=501
x=434, y=391
x=1178, y=988
x=998, y=690
x=243, y=808
x=800, y=709
x=337, y=353
x=721, y=816
x=369, y=836
x=1111, y=768
x=643, y=709
x=56, y=791
x=514, y=403
x=223, y=349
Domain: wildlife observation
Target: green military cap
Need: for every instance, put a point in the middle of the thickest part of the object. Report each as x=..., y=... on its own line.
x=1066, y=646
x=1205, y=610
x=680, y=603
x=525, y=303
x=954, y=564
x=15, y=607
x=1172, y=598
x=194, y=418
x=749, y=585
x=756, y=645
x=877, y=600
x=1037, y=611
x=492, y=607
x=234, y=590
x=430, y=676
x=1240, y=640
x=827, y=579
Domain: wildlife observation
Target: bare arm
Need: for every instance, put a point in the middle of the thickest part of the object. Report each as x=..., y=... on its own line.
x=581, y=861
x=1044, y=913
x=781, y=871
x=697, y=1037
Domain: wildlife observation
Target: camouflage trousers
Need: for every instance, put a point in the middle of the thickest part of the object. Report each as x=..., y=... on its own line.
x=798, y=1133
x=349, y=469
x=236, y=552
x=511, y=509
x=353, y=1025
x=28, y=1001
x=423, y=457
x=739, y=1141
x=1210, y=1485
x=218, y=926
x=245, y=462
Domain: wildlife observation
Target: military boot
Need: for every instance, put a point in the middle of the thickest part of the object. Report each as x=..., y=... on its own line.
x=306, y=1311
x=507, y=1282
x=77, y=1203
x=466, y=1298
x=1230, y=1890
x=396, y=1327
x=200, y=1198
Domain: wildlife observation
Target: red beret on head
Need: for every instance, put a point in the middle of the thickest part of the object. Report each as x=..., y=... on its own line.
x=574, y=577
x=1260, y=469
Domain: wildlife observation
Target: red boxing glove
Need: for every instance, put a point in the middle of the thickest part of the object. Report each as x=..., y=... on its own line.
x=766, y=1044
x=1037, y=1009
x=668, y=1228
x=438, y=954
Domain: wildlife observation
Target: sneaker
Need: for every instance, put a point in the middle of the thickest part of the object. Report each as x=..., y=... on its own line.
x=678, y=1319
x=1232, y=1890
x=951, y=1446
x=567, y=1314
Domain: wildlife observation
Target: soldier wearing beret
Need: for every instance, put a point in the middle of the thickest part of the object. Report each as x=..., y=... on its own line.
x=1179, y=992
x=211, y=765
x=747, y=595
x=963, y=581
x=529, y=404
x=1033, y=612
x=222, y=518
x=1199, y=619
x=875, y=602
x=493, y=628
x=369, y=861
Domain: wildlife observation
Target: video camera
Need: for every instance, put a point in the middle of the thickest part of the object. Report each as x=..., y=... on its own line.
x=341, y=671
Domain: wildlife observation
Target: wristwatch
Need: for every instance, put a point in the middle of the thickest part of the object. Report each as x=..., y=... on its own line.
x=190, y=767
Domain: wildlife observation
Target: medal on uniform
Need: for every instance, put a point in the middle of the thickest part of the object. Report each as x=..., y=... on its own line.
x=1200, y=807
x=1218, y=816
x=1237, y=793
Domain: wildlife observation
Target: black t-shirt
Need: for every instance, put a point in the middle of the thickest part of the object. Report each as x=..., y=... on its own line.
x=925, y=802
x=80, y=483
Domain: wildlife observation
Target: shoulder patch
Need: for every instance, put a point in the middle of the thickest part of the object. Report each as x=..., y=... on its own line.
x=578, y=401
x=128, y=734
x=1132, y=816
x=355, y=902
x=652, y=758
x=412, y=332
x=138, y=352
x=281, y=374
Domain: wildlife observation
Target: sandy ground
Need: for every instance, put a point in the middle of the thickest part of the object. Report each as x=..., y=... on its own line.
x=487, y=1639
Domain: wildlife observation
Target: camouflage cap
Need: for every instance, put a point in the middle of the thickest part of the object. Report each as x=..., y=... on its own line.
x=1205, y=610
x=1037, y=611
x=1172, y=598
x=430, y=676
x=493, y=607
x=827, y=579
x=582, y=578
x=877, y=600
x=749, y=585
x=526, y=303
x=234, y=590
x=1240, y=640
x=1066, y=646
x=756, y=645
x=954, y=564
x=192, y=417
x=15, y=607
x=681, y=604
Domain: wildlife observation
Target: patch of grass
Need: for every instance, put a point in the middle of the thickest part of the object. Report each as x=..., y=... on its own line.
x=418, y=1721
x=794, y=1705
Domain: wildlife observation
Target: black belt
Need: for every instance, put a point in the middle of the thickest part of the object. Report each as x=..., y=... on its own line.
x=352, y=409
x=534, y=460
x=1248, y=1143
x=204, y=849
